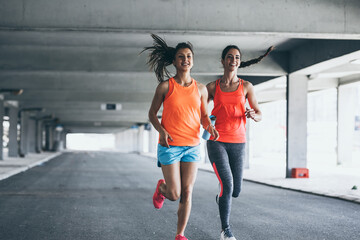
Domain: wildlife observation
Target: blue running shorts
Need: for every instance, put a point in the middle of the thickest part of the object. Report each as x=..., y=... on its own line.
x=167, y=156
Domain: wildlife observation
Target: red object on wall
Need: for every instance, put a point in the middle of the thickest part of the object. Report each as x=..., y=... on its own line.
x=300, y=173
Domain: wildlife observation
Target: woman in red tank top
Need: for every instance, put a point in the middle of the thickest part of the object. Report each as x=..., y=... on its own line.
x=226, y=155
x=184, y=107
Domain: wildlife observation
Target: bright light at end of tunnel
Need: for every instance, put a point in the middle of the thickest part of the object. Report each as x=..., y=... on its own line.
x=90, y=142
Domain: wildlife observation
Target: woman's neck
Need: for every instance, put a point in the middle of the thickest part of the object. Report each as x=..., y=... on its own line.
x=229, y=77
x=183, y=78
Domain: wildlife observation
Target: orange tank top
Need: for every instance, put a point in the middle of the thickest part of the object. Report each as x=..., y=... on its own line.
x=229, y=109
x=181, y=114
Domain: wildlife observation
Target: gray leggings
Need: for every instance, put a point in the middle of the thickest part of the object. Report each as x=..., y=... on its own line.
x=227, y=160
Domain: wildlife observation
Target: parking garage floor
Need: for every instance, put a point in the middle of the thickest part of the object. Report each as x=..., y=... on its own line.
x=107, y=195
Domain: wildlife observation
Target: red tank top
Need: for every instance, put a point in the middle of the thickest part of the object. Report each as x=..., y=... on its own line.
x=229, y=109
x=181, y=114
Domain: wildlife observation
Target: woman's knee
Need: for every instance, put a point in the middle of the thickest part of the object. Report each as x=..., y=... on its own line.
x=227, y=188
x=236, y=194
x=186, y=194
x=173, y=195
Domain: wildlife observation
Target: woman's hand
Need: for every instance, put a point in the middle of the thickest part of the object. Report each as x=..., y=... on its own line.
x=250, y=113
x=164, y=138
x=213, y=132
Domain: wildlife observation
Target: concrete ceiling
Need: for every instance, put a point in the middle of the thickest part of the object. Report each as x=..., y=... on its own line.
x=71, y=57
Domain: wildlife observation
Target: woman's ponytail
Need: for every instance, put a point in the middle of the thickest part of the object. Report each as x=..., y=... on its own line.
x=160, y=57
x=256, y=60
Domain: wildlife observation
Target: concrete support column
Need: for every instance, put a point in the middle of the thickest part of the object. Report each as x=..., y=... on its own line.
x=38, y=136
x=31, y=135
x=52, y=139
x=13, y=131
x=346, y=123
x=57, y=138
x=2, y=113
x=49, y=137
x=153, y=139
x=63, y=138
x=146, y=138
x=126, y=141
x=140, y=139
x=24, y=126
x=296, y=127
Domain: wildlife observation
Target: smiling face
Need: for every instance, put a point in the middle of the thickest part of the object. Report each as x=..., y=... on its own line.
x=183, y=60
x=231, y=61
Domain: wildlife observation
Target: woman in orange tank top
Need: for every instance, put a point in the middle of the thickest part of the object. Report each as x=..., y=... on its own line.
x=184, y=108
x=226, y=155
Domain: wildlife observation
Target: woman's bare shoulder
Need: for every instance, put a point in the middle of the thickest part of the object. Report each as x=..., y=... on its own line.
x=247, y=84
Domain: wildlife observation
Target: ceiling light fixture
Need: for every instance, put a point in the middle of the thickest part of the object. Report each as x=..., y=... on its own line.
x=111, y=106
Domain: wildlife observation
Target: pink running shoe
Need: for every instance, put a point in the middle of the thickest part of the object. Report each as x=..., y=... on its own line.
x=158, y=198
x=180, y=237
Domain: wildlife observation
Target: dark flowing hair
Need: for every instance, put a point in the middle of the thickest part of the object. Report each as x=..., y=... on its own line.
x=161, y=56
x=247, y=63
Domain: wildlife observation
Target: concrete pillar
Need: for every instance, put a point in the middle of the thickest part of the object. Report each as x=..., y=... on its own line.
x=53, y=137
x=31, y=140
x=296, y=127
x=13, y=131
x=57, y=140
x=64, y=139
x=38, y=136
x=2, y=113
x=126, y=141
x=24, y=126
x=146, y=137
x=153, y=139
x=346, y=122
x=140, y=139
x=49, y=137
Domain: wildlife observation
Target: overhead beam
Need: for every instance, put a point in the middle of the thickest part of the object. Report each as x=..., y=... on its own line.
x=94, y=124
x=101, y=130
x=82, y=96
x=350, y=79
x=340, y=17
x=319, y=55
x=86, y=115
x=103, y=118
x=56, y=58
x=100, y=59
x=72, y=105
x=74, y=81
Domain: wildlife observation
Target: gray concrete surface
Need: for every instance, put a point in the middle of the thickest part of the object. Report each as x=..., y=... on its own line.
x=335, y=182
x=13, y=165
x=70, y=57
x=102, y=195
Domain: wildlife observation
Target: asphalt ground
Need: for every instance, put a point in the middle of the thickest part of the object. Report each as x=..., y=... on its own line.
x=102, y=195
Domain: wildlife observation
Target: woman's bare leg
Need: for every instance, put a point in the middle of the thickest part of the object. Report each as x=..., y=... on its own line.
x=188, y=171
x=172, y=187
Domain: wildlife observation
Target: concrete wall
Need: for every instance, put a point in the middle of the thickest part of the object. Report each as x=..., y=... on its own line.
x=127, y=141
